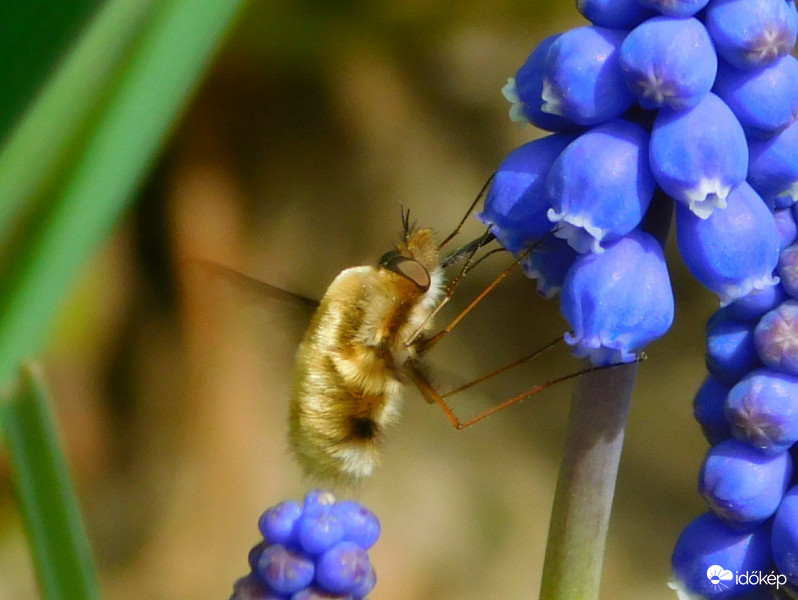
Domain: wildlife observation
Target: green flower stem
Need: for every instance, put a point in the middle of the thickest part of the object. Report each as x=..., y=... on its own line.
x=49, y=506
x=586, y=484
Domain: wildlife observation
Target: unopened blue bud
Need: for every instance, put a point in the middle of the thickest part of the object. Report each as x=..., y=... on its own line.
x=734, y=250
x=549, y=264
x=278, y=523
x=709, y=553
x=741, y=485
x=600, y=186
x=669, y=61
x=752, y=33
x=517, y=201
x=773, y=167
x=344, y=568
x=788, y=269
x=699, y=155
x=360, y=524
x=578, y=78
x=765, y=100
x=756, y=303
x=616, y=14
x=785, y=536
x=762, y=410
x=776, y=338
x=619, y=300
x=251, y=587
x=285, y=571
x=316, y=593
x=730, y=352
x=676, y=8
x=319, y=528
x=708, y=408
x=788, y=229
x=525, y=92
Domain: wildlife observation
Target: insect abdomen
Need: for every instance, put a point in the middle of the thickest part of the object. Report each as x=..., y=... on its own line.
x=347, y=385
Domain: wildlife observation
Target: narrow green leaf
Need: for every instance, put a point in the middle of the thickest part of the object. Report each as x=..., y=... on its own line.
x=47, y=498
x=170, y=55
x=34, y=34
x=43, y=139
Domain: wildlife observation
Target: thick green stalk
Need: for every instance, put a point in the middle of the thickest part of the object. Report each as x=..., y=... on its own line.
x=47, y=498
x=586, y=484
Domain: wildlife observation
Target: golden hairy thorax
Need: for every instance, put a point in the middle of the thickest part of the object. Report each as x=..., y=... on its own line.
x=354, y=360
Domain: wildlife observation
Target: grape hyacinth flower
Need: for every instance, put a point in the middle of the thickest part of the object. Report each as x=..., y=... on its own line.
x=600, y=185
x=690, y=107
x=314, y=550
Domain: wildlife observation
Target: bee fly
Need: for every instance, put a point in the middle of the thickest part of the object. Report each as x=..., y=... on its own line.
x=365, y=343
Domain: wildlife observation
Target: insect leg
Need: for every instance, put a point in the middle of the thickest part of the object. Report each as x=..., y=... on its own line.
x=431, y=395
x=443, y=332
x=503, y=369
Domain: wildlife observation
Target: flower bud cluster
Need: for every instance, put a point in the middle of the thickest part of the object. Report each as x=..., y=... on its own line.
x=690, y=104
x=748, y=410
x=317, y=550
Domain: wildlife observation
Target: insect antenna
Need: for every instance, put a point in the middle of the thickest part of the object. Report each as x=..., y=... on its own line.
x=406, y=226
x=473, y=205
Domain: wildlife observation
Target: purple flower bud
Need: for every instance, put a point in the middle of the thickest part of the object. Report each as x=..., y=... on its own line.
x=785, y=536
x=285, y=571
x=730, y=350
x=788, y=270
x=773, y=167
x=699, y=155
x=676, y=8
x=517, y=201
x=600, y=186
x=776, y=338
x=343, y=569
x=318, y=529
x=360, y=524
x=525, y=92
x=756, y=303
x=765, y=100
x=752, y=33
x=322, y=497
x=741, y=485
x=708, y=408
x=734, y=250
x=669, y=62
x=314, y=593
x=277, y=524
x=762, y=410
x=619, y=300
x=788, y=229
x=578, y=79
x=709, y=553
x=250, y=587
x=616, y=14
x=549, y=264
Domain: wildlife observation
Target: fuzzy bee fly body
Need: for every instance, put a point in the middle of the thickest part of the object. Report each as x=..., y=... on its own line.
x=358, y=354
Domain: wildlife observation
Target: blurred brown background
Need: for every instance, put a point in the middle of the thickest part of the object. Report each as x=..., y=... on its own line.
x=316, y=122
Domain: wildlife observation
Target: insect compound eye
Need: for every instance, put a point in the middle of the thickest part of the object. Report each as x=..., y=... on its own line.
x=406, y=267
